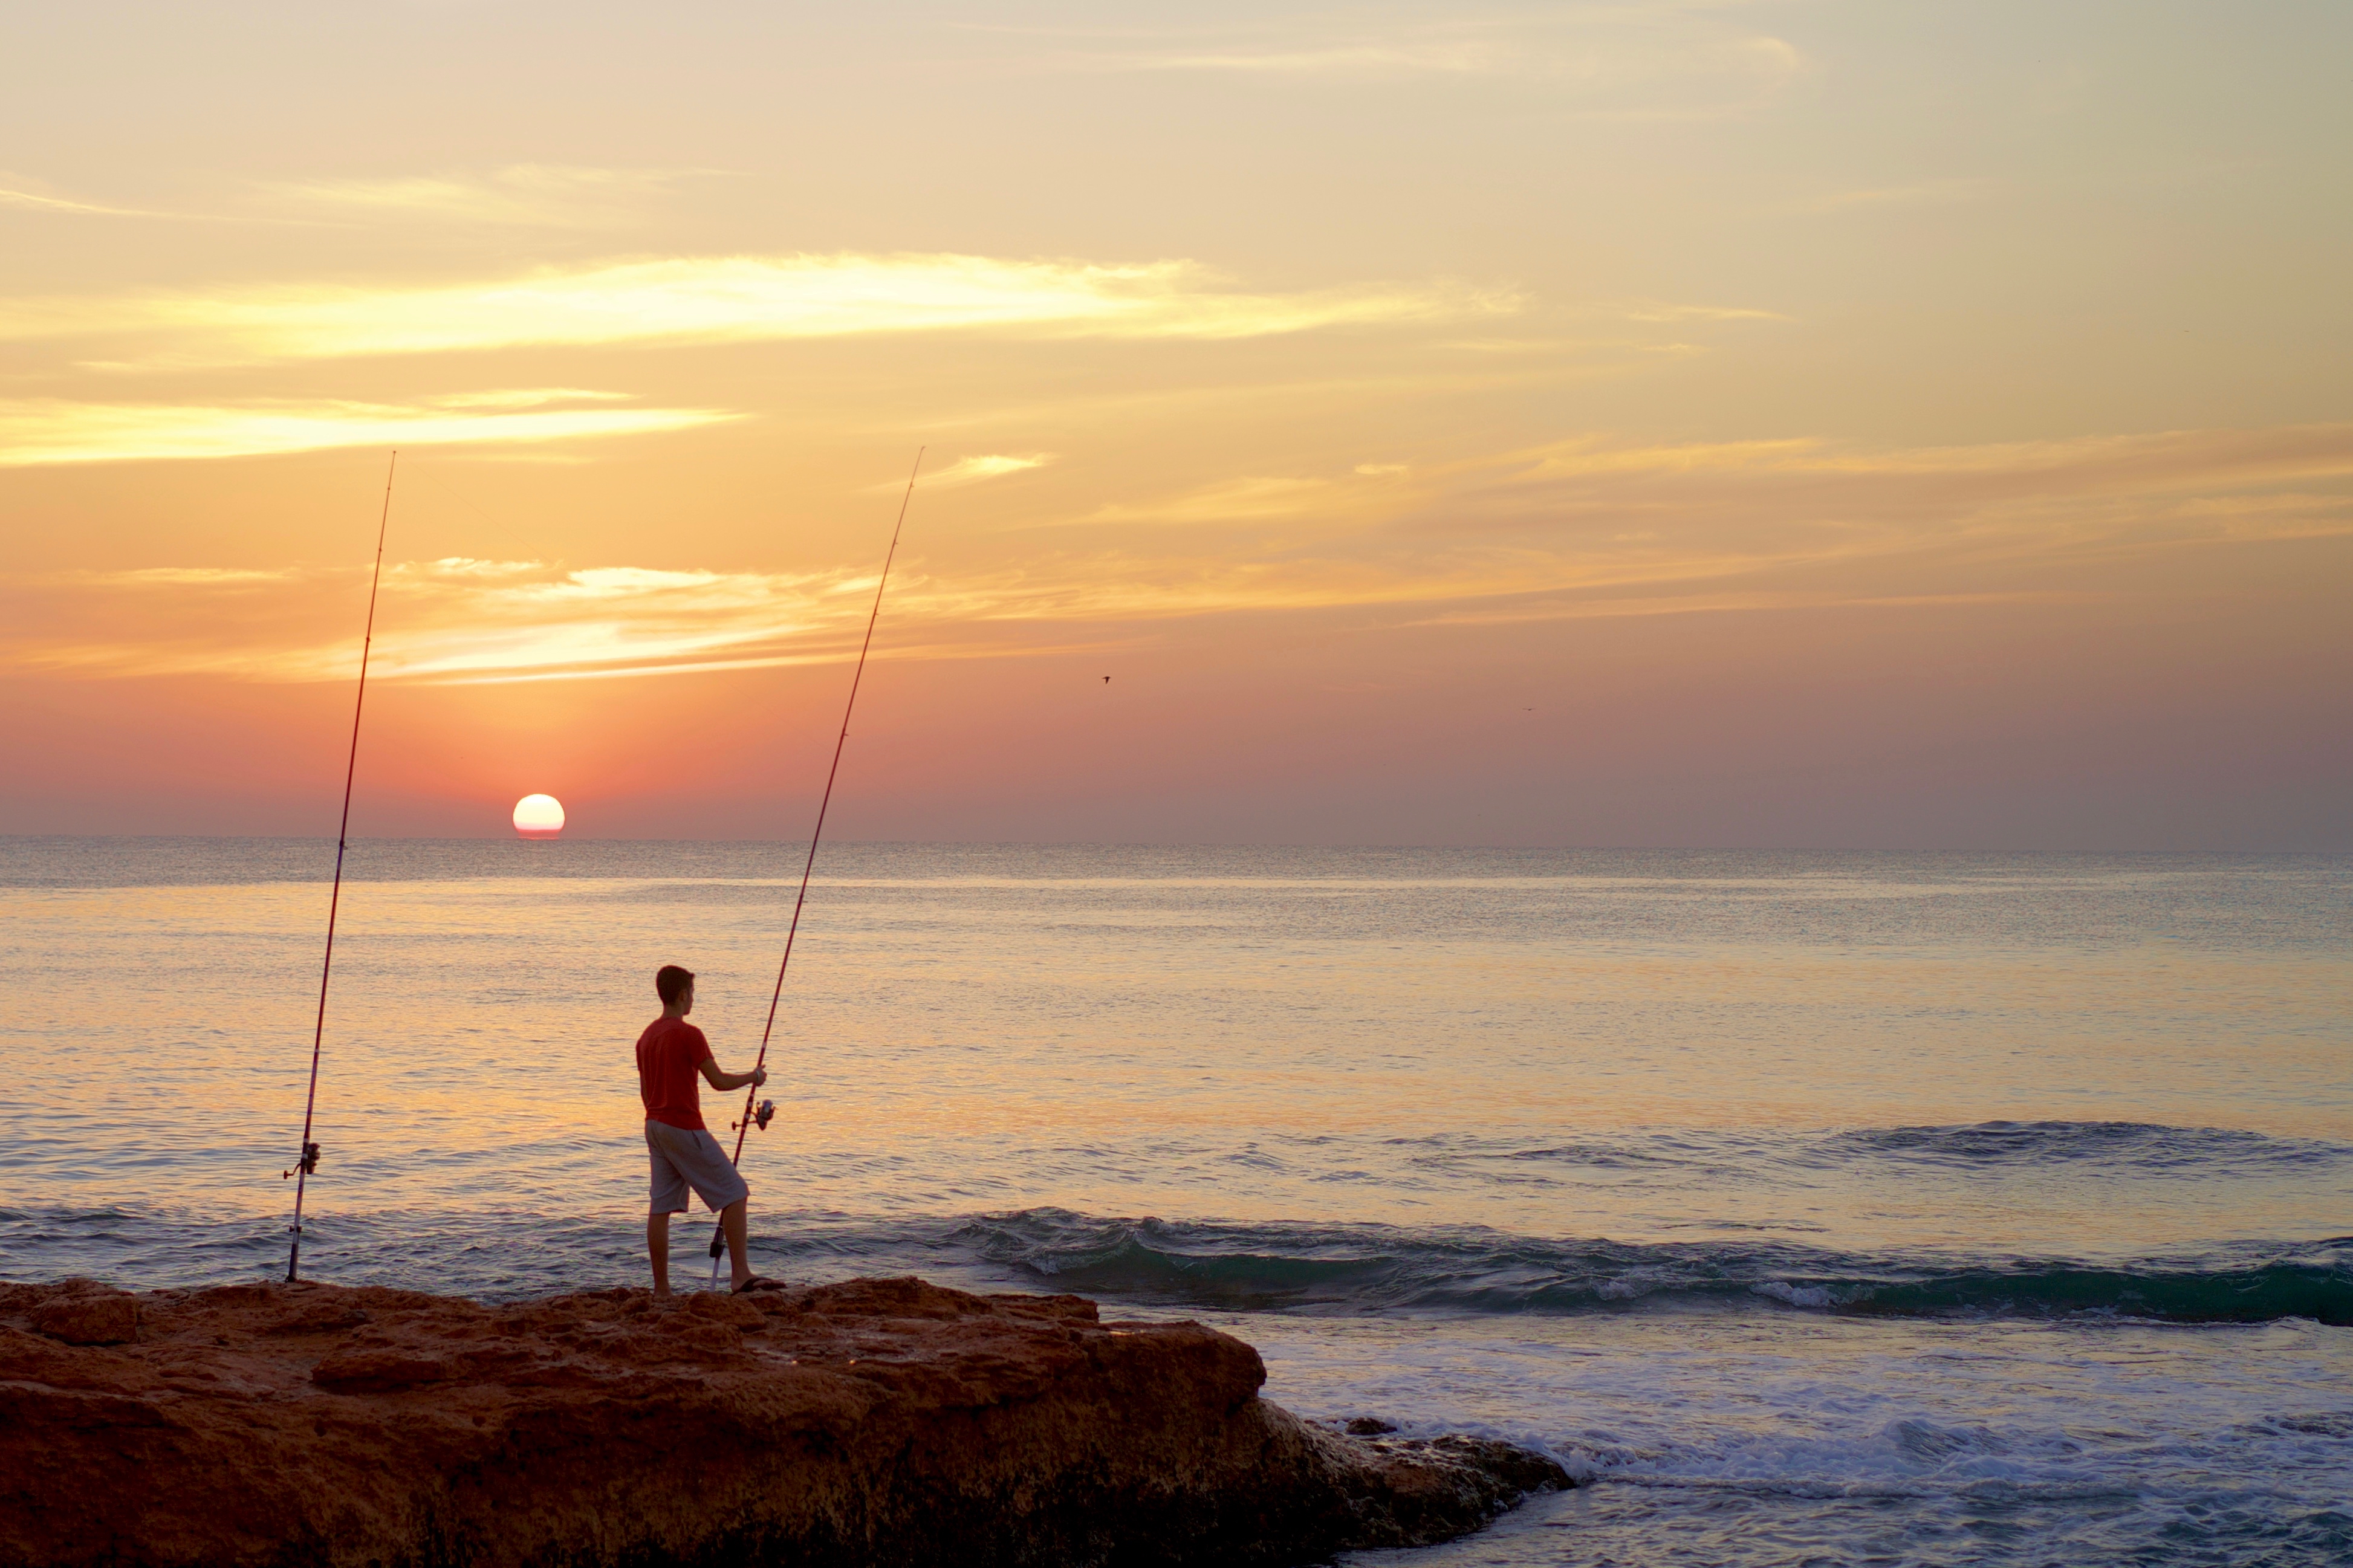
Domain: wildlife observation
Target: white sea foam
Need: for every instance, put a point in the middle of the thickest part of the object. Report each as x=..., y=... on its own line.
x=1793, y=1295
x=2117, y=1437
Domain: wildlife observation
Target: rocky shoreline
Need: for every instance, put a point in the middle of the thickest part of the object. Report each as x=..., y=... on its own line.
x=871, y=1422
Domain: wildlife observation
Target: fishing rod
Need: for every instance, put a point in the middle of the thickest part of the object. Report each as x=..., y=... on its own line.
x=309, y=1162
x=768, y=1108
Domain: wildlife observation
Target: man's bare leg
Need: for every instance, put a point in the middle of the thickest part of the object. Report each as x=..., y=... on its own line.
x=731, y=1220
x=658, y=1248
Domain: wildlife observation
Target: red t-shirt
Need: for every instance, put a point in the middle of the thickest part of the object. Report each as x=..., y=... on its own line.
x=669, y=1053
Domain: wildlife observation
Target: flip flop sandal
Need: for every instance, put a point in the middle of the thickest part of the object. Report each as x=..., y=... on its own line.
x=757, y=1282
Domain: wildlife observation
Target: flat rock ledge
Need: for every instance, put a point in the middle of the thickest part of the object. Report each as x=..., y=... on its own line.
x=874, y=1421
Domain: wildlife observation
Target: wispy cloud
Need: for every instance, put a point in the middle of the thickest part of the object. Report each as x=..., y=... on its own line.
x=1671, y=62
x=737, y=299
x=1619, y=606
x=1574, y=529
x=182, y=577
x=525, y=195
x=1248, y=499
x=15, y=194
x=2146, y=464
x=1665, y=311
x=38, y=203
x=525, y=397
x=970, y=470
x=529, y=195
x=459, y=619
x=43, y=431
x=1595, y=515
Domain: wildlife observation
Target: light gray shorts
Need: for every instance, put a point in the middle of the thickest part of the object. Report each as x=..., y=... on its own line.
x=681, y=1159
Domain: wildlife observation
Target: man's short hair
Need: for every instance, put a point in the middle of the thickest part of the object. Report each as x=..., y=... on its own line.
x=671, y=982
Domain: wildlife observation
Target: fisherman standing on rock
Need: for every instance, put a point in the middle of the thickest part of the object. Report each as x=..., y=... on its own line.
x=683, y=1153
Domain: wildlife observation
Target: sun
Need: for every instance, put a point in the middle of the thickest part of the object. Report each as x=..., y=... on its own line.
x=539, y=816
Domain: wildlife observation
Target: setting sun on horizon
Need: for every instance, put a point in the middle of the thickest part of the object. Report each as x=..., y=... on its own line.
x=539, y=816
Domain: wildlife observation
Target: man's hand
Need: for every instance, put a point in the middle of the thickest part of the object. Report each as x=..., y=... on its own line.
x=724, y=1081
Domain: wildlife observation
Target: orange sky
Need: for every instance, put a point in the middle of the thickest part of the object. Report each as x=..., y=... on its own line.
x=1740, y=423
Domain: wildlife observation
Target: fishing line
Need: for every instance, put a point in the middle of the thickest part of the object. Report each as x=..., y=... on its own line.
x=768, y=1109
x=309, y=1162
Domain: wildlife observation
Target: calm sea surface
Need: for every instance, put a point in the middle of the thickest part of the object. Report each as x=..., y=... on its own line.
x=1816, y=1207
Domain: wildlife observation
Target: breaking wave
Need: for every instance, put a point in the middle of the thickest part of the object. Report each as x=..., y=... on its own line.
x=1339, y=1267
x=1343, y=1269
x=1322, y=1269
x=2142, y=1147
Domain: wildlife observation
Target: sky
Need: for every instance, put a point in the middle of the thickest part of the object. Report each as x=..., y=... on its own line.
x=1787, y=424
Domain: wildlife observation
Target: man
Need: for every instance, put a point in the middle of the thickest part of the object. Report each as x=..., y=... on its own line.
x=670, y=1052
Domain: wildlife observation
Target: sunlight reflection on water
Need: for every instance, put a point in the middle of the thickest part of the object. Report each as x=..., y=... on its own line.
x=1629, y=1046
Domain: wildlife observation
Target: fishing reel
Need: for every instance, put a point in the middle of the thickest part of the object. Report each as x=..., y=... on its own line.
x=765, y=1113
x=307, y=1164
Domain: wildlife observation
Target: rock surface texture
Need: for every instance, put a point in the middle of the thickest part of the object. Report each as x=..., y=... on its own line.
x=879, y=1421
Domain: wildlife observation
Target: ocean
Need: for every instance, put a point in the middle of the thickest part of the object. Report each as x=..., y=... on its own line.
x=1813, y=1207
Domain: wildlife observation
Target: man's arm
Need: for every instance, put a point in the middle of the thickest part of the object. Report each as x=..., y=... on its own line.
x=727, y=1080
